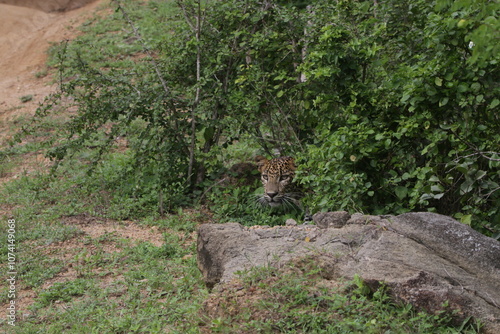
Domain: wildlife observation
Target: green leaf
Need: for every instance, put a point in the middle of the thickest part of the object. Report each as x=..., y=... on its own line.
x=466, y=187
x=463, y=87
x=434, y=178
x=480, y=174
x=401, y=192
x=494, y=103
x=438, y=196
x=437, y=188
x=438, y=81
x=405, y=97
x=466, y=219
x=425, y=197
x=443, y=101
x=475, y=86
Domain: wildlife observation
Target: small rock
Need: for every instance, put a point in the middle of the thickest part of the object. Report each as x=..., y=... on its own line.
x=336, y=219
x=291, y=222
x=362, y=219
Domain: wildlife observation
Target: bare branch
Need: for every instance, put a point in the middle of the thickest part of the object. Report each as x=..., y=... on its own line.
x=194, y=18
x=482, y=154
x=476, y=150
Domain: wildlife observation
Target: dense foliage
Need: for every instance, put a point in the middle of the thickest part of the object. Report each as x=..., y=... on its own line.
x=389, y=106
x=410, y=116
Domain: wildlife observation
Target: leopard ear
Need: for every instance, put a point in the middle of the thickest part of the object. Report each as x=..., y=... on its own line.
x=291, y=161
x=260, y=161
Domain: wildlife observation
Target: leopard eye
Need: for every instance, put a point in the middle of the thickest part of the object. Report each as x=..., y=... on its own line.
x=264, y=177
x=284, y=177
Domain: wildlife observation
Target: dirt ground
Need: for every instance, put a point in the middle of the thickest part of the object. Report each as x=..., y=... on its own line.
x=27, y=27
x=25, y=35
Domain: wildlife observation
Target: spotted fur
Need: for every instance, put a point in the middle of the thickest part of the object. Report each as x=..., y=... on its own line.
x=277, y=176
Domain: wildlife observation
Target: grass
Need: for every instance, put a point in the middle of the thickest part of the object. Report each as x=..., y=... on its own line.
x=296, y=299
x=117, y=284
x=42, y=73
x=26, y=98
x=108, y=283
x=109, y=41
x=94, y=257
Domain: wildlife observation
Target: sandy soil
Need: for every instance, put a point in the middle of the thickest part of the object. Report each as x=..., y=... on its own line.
x=49, y=5
x=25, y=35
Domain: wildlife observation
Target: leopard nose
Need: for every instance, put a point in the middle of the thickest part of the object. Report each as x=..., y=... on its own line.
x=272, y=194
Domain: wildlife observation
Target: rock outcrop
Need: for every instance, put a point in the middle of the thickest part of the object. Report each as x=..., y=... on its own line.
x=425, y=259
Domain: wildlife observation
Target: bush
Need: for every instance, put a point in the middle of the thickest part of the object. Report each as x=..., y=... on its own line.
x=410, y=126
x=389, y=107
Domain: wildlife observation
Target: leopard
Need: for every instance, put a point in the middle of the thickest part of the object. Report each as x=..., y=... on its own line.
x=277, y=179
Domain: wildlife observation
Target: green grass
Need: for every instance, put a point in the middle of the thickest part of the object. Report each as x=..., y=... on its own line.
x=26, y=98
x=117, y=285
x=296, y=299
x=151, y=289
x=110, y=42
x=42, y=73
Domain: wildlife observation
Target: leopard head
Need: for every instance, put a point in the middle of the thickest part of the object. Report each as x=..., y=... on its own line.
x=276, y=176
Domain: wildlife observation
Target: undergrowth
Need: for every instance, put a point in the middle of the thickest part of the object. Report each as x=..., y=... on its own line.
x=298, y=300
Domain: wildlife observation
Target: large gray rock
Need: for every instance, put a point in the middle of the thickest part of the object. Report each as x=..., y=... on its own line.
x=426, y=259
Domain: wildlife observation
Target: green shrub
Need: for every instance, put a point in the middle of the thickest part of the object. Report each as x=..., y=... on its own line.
x=410, y=126
x=388, y=107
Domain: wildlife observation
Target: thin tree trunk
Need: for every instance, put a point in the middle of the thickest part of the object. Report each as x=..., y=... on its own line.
x=197, y=30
